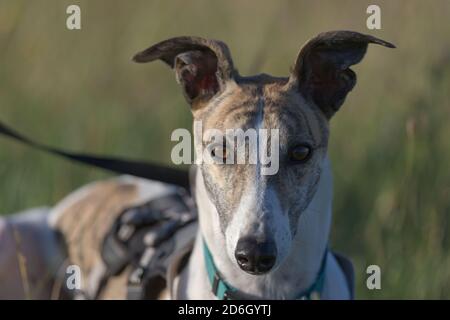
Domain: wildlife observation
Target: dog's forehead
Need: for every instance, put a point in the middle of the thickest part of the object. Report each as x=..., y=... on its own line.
x=265, y=102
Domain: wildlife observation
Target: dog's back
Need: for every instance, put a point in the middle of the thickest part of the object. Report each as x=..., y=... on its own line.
x=37, y=246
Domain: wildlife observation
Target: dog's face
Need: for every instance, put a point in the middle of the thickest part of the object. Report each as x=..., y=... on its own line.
x=259, y=212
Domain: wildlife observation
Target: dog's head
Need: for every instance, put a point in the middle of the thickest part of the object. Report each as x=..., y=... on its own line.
x=259, y=212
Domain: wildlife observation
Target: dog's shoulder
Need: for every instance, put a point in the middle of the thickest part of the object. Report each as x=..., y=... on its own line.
x=85, y=216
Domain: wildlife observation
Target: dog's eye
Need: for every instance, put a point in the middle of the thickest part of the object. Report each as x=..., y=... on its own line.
x=219, y=153
x=300, y=153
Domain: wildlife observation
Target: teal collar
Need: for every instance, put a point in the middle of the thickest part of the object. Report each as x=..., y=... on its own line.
x=224, y=291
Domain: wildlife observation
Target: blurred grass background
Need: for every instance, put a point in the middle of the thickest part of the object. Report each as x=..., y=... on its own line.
x=389, y=145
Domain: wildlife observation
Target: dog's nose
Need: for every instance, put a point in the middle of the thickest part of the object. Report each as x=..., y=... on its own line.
x=255, y=257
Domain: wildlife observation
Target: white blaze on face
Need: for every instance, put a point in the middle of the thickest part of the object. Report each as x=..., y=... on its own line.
x=259, y=213
x=279, y=225
x=269, y=159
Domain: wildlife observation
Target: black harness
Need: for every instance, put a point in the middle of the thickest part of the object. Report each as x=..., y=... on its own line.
x=143, y=238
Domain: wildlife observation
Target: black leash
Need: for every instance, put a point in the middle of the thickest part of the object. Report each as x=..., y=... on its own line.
x=135, y=168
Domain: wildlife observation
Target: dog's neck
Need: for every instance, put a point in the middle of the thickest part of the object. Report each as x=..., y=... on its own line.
x=298, y=271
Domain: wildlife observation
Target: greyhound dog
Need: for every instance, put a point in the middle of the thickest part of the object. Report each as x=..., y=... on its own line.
x=263, y=236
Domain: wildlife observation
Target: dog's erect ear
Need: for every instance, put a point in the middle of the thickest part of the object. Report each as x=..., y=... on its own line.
x=322, y=70
x=202, y=66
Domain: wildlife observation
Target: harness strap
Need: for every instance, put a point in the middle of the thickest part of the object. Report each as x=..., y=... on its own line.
x=347, y=268
x=135, y=168
x=144, y=238
x=184, y=243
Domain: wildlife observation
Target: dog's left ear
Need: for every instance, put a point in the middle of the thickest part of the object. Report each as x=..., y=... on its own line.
x=202, y=66
x=322, y=71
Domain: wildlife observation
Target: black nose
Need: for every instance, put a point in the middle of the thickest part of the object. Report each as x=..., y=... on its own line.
x=255, y=257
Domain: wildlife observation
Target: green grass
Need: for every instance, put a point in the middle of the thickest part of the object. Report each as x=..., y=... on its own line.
x=389, y=145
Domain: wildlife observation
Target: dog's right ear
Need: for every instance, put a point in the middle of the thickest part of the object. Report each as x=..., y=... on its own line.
x=322, y=70
x=202, y=66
